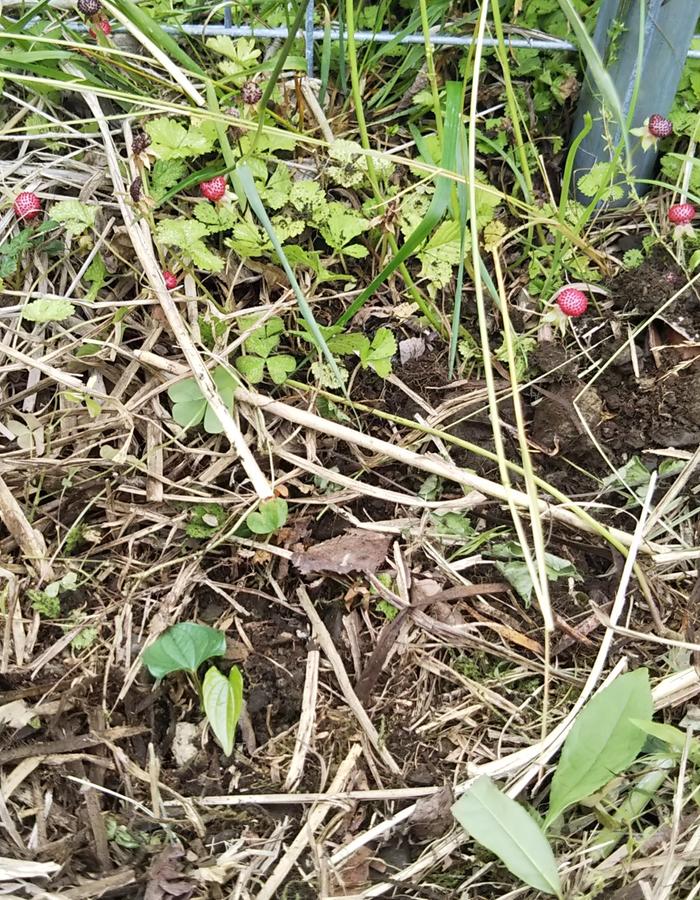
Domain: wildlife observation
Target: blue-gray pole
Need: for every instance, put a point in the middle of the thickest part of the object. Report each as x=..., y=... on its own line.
x=666, y=34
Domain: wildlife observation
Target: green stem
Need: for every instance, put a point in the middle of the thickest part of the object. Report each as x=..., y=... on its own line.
x=430, y=67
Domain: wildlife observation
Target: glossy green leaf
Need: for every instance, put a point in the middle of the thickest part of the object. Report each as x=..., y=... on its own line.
x=183, y=648
x=268, y=517
x=603, y=741
x=223, y=700
x=505, y=828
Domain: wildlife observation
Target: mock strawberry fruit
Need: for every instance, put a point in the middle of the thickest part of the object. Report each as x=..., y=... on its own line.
x=104, y=27
x=681, y=214
x=27, y=206
x=572, y=302
x=136, y=189
x=140, y=143
x=251, y=93
x=171, y=281
x=89, y=8
x=213, y=189
x=659, y=127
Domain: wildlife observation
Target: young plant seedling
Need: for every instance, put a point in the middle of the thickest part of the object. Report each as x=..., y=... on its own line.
x=183, y=648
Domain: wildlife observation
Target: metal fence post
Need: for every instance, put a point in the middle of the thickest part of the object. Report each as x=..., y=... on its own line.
x=667, y=33
x=309, y=38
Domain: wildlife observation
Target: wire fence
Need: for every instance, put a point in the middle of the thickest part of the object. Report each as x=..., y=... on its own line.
x=311, y=34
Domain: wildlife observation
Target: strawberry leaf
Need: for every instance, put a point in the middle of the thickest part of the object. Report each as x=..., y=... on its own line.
x=380, y=352
x=48, y=310
x=187, y=235
x=77, y=217
x=170, y=140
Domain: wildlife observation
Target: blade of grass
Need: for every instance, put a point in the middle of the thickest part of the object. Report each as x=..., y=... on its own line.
x=245, y=186
x=537, y=571
x=438, y=206
x=279, y=63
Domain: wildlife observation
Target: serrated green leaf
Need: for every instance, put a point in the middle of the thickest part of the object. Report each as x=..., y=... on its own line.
x=380, y=353
x=170, y=140
x=277, y=190
x=165, y=174
x=280, y=367
x=248, y=240
x=222, y=699
x=265, y=338
x=48, y=310
x=95, y=274
x=252, y=368
x=216, y=217
x=268, y=517
x=504, y=827
x=342, y=226
x=186, y=235
x=344, y=344
x=183, y=648
x=77, y=217
x=603, y=741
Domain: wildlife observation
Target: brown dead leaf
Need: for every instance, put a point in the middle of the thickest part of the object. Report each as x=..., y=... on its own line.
x=166, y=879
x=354, y=551
x=354, y=873
x=432, y=817
x=411, y=348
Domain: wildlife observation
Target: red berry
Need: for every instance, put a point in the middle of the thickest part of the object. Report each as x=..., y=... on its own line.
x=681, y=214
x=214, y=189
x=170, y=280
x=659, y=126
x=104, y=27
x=27, y=205
x=572, y=302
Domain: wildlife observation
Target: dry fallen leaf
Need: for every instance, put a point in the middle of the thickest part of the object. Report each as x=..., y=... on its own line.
x=165, y=877
x=184, y=744
x=354, y=873
x=25, y=868
x=354, y=551
x=411, y=348
x=432, y=816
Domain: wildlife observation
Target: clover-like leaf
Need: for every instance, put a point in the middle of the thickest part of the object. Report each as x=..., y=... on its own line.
x=252, y=368
x=280, y=367
x=268, y=517
x=190, y=407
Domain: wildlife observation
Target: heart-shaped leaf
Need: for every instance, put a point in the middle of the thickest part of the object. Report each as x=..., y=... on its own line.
x=183, y=648
x=223, y=700
x=268, y=517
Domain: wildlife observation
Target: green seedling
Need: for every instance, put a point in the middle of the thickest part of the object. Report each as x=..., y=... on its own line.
x=183, y=648
x=603, y=742
x=189, y=406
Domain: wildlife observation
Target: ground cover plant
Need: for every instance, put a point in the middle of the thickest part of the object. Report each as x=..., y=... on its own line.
x=349, y=462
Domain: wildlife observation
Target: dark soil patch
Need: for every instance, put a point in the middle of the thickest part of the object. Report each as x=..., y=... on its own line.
x=628, y=411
